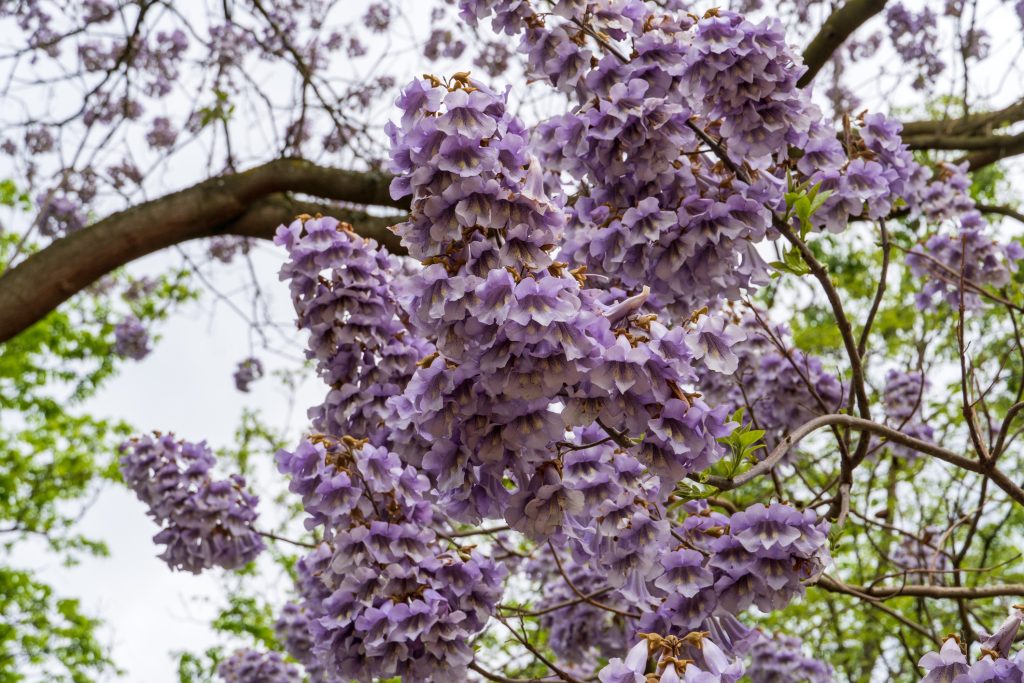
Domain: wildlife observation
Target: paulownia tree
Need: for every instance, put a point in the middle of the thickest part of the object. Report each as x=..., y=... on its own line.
x=661, y=341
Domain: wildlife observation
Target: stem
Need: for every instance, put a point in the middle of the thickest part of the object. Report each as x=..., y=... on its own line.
x=282, y=539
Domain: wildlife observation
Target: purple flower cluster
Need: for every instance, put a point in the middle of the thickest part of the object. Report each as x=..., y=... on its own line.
x=250, y=666
x=38, y=140
x=746, y=76
x=525, y=350
x=59, y=215
x=967, y=252
x=915, y=37
x=903, y=399
x=994, y=664
x=292, y=627
x=656, y=212
x=494, y=58
x=247, y=372
x=206, y=522
x=159, y=59
x=161, y=134
x=582, y=633
x=779, y=386
x=760, y=556
x=947, y=195
x=224, y=248
x=124, y=172
x=780, y=658
x=922, y=558
x=229, y=43
x=343, y=289
x=443, y=43
x=652, y=207
x=969, y=255
x=295, y=627
x=131, y=340
x=618, y=530
x=136, y=289
x=865, y=180
x=386, y=598
x=378, y=17
x=694, y=658
x=617, y=525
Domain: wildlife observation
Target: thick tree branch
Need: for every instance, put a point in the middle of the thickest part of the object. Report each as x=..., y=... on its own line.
x=1007, y=211
x=248, y=203
x=834, y=32
x=1002, y=146
x=262, y=218
x=983, y=123
x=986, y=143
x=973, y=133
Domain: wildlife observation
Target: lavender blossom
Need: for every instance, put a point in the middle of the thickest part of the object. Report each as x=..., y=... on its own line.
x=780, y=659
x=779, y=387
x=224, y=248
x=249, y=666
x=205, y=522
x=948, y=664
x=161, y=134
x=131, y=340
x=903, y=399
x=363, y=350
x=969, y=255
x=247, y=372
x=390, y=599
x=515, y=331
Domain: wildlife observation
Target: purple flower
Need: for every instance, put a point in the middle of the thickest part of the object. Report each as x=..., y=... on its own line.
x=225, y=247
x=247, y=372
x=780, y=658
x=205, y=522
x=945, y=665
x=685, y=573
x=377, y=17
x=363, y=351
x=629, y=670
x=131, y=340
x=249, y=666
x=1003, y=638
x=59, y=215
x=580, y=633
x=713, y=340
x=389, y=589
x=970, y=255
x=778, y=386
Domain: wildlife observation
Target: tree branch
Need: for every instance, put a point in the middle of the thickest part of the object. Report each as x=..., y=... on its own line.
x=1007, y=211
x=262, y=218
x=1001, y=147
x=921, y=591
x=838, y=587
x=249, y=203
x=999, y=478
x=834, y=32
x=983, y=122
x=969, y=143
